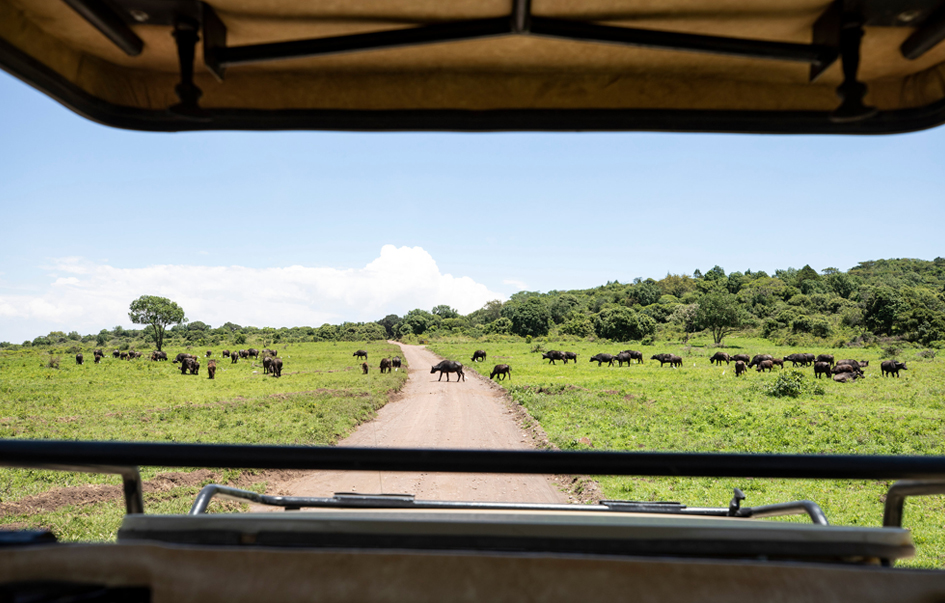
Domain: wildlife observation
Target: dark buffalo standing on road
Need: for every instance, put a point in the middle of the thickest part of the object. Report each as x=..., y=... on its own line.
x=385, y=365
x=570, y=356
x=552, y=356
x=821, y=368
x=360, y=354
x=503, y=370
x=825, y=358
x=718, y=357
x=479, y=356
x=892, y=367
x=765, y=365
x=743, y=357
x=211, y=369
x=846, y=377
x=78, y=358
x=634, y=355
x=758, y=358
x=364, y=368
x=449, y=366
x=740, y=367
x=276, y=367
x=602, y=358
x=623, y=357
x=395, y=362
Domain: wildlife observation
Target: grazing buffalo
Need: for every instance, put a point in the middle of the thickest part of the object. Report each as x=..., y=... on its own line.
x=743, y=357
x=821, y=368
x=623, y=357
x=740, y=367
x=209, y=353
x=892, y=367
x=116, y=354
x=364, y=368
x=778, y=362
x=276, y=367
x=503, y=370
x=190, y=365
x=98, y=356
x=718, y=357
x=98, y=353
x=226, y=353
x=672, y=359
x=157, y=356
x=602, y=358
x=267, y=365
x=635, y=355
x=252, y=353
x=182, y=356
x=553, y=355
x=846, y=377
x=765, y=365
x=234, y=357
x=385, y=365
x=360, y=355
x=396, y=363
x=758, y=358
x=800, y=359
x=211, y=369
x=825, y=358
x=447, y=367
x=123, y=355
x=570, y=356
x=78, y=358
x=479, y=356
x=857, y=363
x=844, y=367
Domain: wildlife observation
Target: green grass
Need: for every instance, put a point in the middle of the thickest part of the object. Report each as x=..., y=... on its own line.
x=704, y=408
x=321, y=396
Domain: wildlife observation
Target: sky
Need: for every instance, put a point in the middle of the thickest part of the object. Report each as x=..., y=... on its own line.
x=302, y=228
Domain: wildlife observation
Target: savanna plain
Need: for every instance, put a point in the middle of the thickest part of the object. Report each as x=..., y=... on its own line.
x=322, y=395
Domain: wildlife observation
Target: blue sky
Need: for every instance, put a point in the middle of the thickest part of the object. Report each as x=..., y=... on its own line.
x=94, y=216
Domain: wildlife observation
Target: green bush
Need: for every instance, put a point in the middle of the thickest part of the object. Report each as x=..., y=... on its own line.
x=791, y=384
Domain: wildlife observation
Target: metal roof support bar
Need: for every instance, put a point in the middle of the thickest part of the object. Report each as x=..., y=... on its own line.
x=130, y=477
x=104, y=19
x=897, y=494
x=851, y=91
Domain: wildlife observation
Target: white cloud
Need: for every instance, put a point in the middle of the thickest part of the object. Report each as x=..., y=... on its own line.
x=96, y=295
x=517, y=284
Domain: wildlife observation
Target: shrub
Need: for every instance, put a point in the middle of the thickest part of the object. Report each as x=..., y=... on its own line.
x=791, y=384
x=927, y=354
x=891, y=351
x=53, y=362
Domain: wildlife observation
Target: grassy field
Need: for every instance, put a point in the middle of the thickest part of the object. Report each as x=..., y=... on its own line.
x=704, y=408
x=320, y=397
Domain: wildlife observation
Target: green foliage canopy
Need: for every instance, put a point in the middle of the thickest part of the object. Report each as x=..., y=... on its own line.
x=158, y=312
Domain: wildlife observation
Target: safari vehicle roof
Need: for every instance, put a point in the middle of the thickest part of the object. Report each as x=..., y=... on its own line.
x=678, y=65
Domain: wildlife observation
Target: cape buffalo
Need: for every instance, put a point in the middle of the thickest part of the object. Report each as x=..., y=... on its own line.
x=602, y=358
x=758, y=358
x=672, y=359
x=892, y=367
x=825, y=358
x=364, y=368
x=552, y=356
x=226, y=353
x=396, y=363
x=479, y=355
x=821, y=368
x=267, y=365
x=635, y=355
x=190, y=365
x=449, y=366
x=116, y=354
x=740, y=367
x=623, y=357
x=252, y=353
x=778, y=362
x=277, y=367
x=385, y=365
x=765, y=365
x=857, y=363
x=718, y=357
x=845, y=377
x=502, y=370
x=743, y=357
x=211, y=369
x=244, y=354
x=845, y=367
x=234, y=357
x=209, y=353
x=98, y=356
x=360, y=354
x=78, y=358
x=570, y=356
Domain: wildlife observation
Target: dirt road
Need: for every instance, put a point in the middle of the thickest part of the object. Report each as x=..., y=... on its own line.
x=432, y=414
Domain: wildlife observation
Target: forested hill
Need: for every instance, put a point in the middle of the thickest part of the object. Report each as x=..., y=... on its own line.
x=903, y=298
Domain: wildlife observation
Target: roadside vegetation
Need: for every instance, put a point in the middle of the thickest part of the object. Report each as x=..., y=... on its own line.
x=321, y=396
x=705, y=408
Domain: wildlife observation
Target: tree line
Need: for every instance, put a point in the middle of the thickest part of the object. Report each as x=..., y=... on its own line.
x=900, y=298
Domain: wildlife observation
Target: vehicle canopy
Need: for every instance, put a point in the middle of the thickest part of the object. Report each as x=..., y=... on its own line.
x=792, y=66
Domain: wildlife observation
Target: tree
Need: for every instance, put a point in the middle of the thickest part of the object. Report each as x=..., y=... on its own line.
x=530, y=317
x=444, y=311
x=685, y=316
x=720, y=312
x=623, y=324
x=158, y=312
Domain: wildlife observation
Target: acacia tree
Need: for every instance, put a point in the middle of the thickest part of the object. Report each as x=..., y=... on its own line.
x=720, y=312
x=158, y=312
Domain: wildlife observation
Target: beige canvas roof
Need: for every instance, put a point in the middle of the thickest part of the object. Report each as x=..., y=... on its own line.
x=544, y=64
